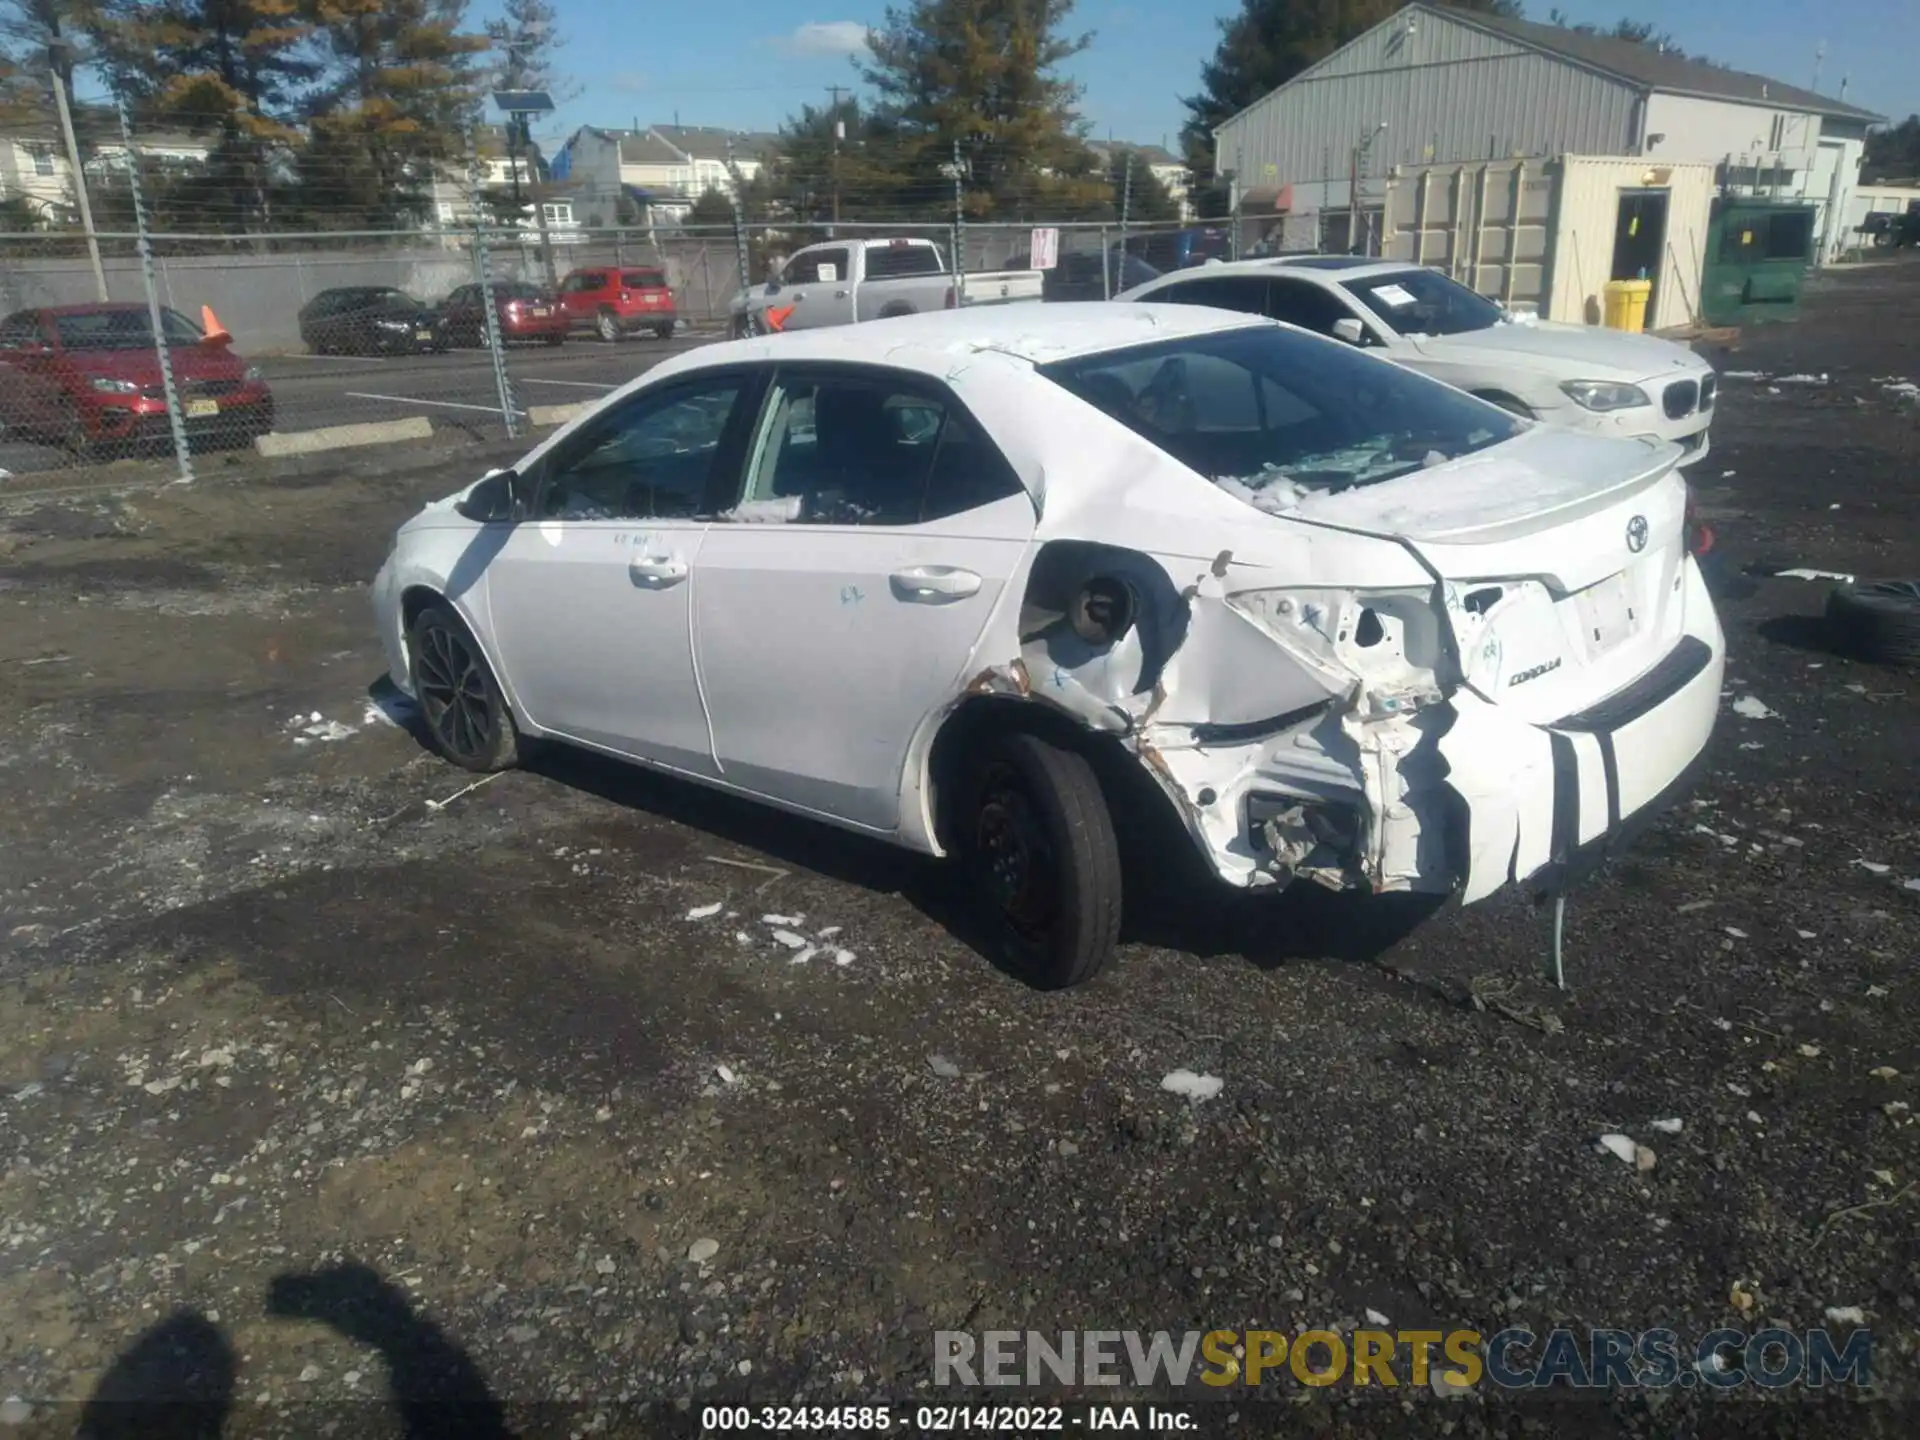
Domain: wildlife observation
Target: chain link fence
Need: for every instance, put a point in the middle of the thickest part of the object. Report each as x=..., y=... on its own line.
x=179, y=345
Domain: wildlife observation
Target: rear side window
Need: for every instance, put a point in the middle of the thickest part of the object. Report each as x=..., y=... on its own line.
x=643, y=279
x=890, y=262
x=1245, y=293
x=590, y=280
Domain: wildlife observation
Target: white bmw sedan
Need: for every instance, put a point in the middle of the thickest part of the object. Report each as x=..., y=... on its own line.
x=924, y=578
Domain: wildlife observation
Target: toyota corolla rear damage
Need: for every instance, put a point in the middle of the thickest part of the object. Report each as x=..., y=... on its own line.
x=1477, y=664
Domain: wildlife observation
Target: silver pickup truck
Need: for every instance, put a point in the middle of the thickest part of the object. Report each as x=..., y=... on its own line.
x=843, y=282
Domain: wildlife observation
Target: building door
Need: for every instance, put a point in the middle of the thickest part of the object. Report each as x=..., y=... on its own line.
x=1640, y=240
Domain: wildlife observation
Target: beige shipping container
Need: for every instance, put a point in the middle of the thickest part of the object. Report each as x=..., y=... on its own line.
x=1603, y=204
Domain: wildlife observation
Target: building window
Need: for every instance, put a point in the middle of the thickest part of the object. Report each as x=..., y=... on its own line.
x=559, y=213
x=42, y=159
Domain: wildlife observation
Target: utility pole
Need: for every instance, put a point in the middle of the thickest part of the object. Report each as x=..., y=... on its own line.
x=833, y=163
x=60, y=53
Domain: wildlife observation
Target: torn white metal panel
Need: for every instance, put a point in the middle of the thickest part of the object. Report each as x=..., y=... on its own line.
x=1503, y=773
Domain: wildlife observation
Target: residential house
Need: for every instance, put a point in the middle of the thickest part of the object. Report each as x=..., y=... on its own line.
x=1169, y=169
x=659, y=171
x=33, y=158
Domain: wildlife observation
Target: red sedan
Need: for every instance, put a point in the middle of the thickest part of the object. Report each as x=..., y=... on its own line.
x=525, y=312
x=87, y=377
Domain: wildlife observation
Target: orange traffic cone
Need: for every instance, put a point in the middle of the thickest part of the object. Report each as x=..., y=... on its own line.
x=209, y=322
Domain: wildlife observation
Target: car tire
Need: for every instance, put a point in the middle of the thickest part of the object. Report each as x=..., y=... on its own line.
x=606, y=327
x=556, y=339
x=1876, y=620
x=461, y=705
x=1038, y=843
x=664, y=332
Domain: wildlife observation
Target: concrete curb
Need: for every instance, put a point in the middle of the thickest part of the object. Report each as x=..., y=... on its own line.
x=541, y=415
x=340, y=437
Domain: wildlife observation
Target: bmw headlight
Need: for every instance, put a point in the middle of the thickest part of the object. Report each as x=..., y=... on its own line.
x=1603, y=395
x=107, y=385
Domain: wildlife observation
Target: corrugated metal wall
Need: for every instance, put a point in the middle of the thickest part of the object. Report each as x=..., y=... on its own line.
x=1447, y=92
x=1588, y=214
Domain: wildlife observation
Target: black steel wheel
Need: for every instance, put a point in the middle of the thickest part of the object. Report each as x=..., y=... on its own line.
x=460, y=702
x=1039, y=842
x=1876, y=620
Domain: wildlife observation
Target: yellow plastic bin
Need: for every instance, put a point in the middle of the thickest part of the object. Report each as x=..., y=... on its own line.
x=1626, y=307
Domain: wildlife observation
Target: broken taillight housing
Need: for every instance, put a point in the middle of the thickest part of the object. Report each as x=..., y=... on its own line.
x=1698, y=534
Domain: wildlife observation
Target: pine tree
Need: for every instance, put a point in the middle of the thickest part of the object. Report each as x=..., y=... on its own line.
x=1264, y=46
x=232, y=70
x=398, y=94
x=984, y=73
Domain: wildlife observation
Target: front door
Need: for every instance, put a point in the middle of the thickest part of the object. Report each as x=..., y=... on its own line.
x=1640, y=239
x=591, y=598
x=815, y=291
x=840, y=603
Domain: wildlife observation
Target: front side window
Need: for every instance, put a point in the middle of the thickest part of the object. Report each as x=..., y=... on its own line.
x=1302, y=303
x=854, y=450
x=817, y=267
x=1425, y=302
x=650, y=460
x=1273, y=416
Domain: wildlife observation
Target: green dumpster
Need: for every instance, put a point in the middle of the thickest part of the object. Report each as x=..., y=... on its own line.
x=1757, y=257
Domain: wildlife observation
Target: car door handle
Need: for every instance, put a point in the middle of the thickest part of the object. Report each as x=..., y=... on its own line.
x=932, y=584
x=842, y=294
x=657, y=570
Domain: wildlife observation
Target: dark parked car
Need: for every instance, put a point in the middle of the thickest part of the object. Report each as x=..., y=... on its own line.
x=1077, y=274
x=524, y=312
x=371, y=320
x=87, y=377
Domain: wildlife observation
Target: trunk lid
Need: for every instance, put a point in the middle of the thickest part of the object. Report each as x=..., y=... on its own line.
x=1560, y=557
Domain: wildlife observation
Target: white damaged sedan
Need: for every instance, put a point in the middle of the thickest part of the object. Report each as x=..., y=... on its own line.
x=914, y=578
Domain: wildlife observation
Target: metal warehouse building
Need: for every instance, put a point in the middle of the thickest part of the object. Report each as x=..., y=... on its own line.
x=1532, y=161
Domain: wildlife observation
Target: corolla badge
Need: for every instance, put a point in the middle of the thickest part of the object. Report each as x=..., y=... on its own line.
x=1637, y=534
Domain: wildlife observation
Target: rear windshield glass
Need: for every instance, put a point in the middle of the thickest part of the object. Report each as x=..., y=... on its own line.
x=121, y=330
x=1208, y=245
x=1425, y=302
x=1273, y=415
x=890, y=262
x=644, y=280
x=518, y=290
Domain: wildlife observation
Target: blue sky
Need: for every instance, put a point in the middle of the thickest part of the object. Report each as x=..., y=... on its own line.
x=747, y=64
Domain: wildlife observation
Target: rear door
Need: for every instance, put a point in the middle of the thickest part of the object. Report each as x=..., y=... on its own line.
x=580, y=295
x=31, y=396
x=839, y=604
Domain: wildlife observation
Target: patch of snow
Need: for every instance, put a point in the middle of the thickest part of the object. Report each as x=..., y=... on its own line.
x=1194, y=1087
x=943, y=1067
x=781, y=919
x=1670, y=1126
x=790, y=940
x=1845, y=1315
x=725, y=1073
x=843, y=958
x=706, y=912
x=1749, y=707
x=1743, y=374
x=1374, y=1317
x=1873, y=867
x=1736, y=933
x=1799, y=574
x=1819, y=379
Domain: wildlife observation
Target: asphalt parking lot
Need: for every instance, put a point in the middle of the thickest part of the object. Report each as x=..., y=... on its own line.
x=337, y=1089
x=457, y=391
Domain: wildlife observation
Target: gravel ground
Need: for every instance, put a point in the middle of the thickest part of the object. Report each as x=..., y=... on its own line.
x=353, y=1093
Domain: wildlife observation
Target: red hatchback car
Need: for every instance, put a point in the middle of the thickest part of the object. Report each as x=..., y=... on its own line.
x=86, y=377
x=618, y=300
x=525, y=313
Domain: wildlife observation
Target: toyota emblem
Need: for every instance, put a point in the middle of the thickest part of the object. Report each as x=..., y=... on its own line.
x=1637, y=534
